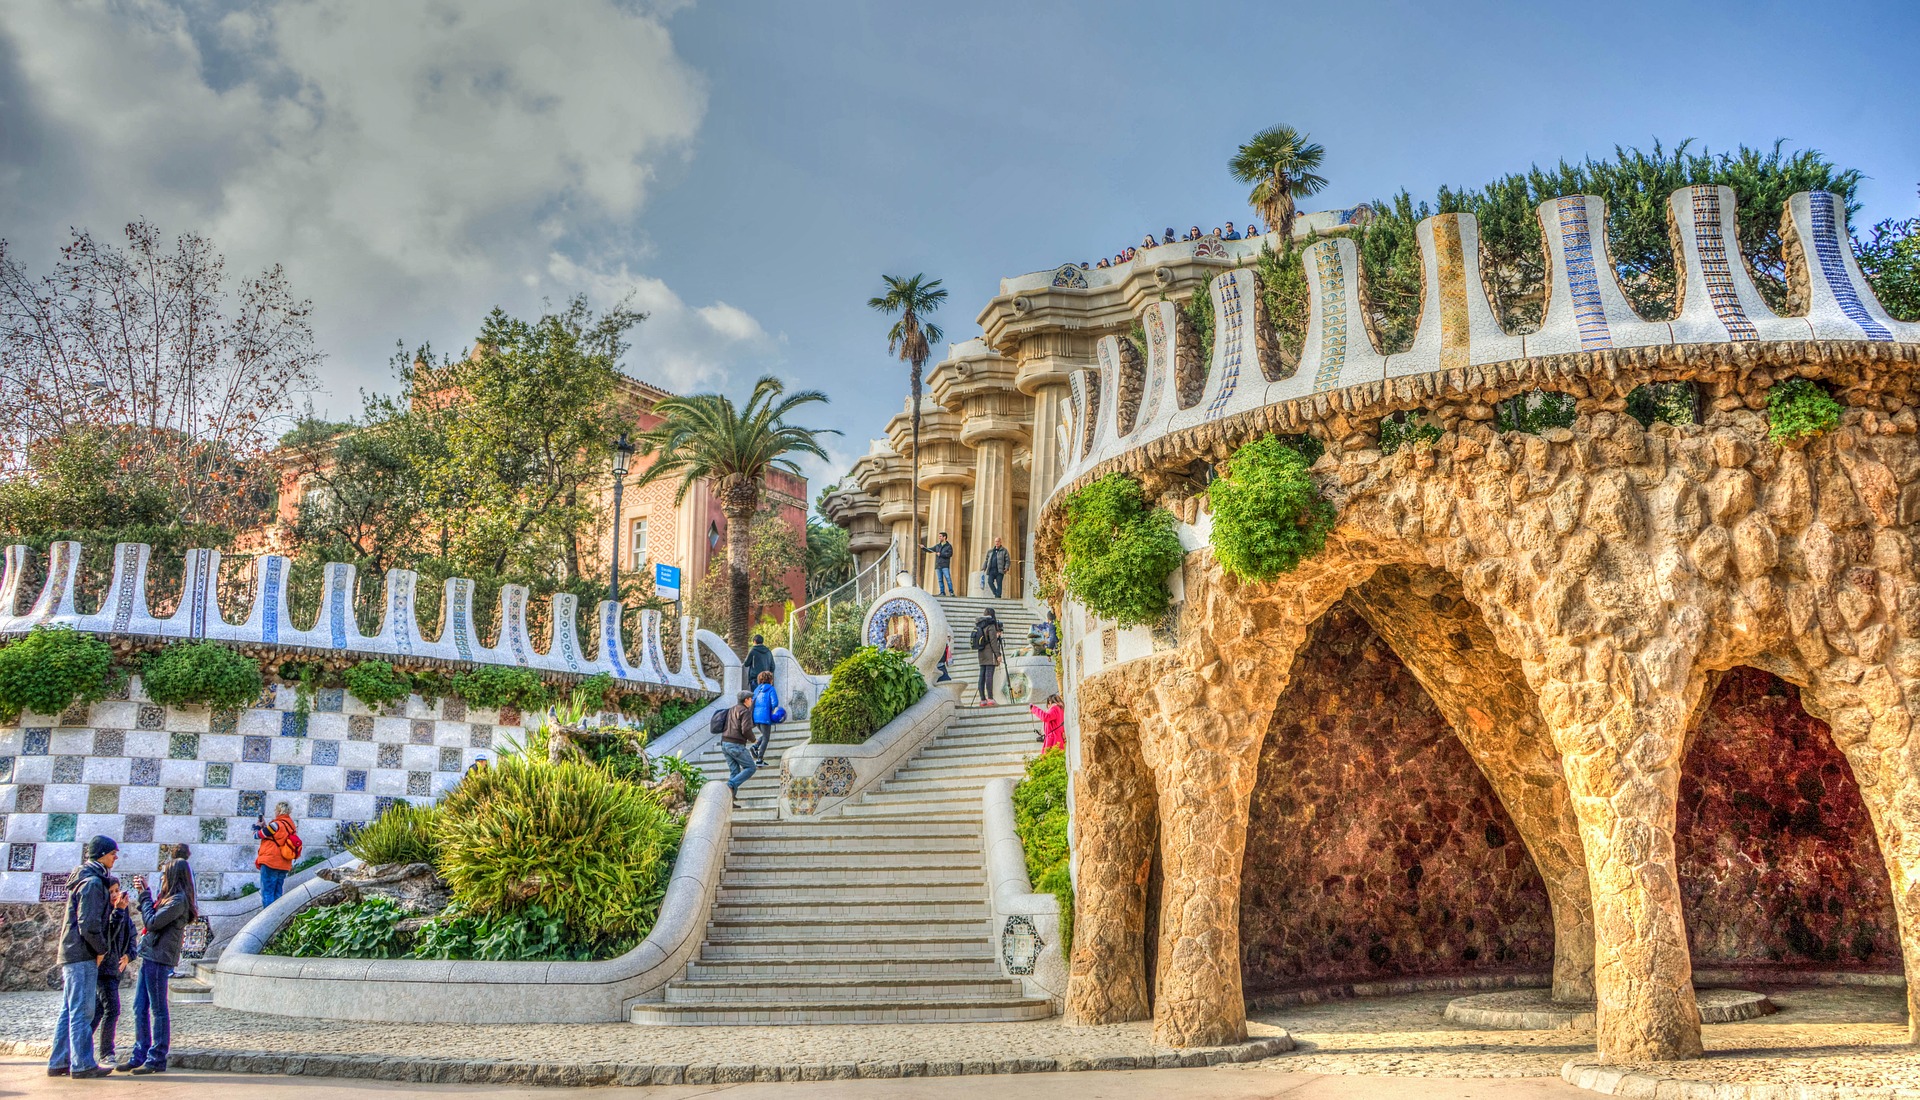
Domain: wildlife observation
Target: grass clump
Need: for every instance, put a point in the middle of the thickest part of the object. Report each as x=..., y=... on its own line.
x=1799, y=409
x=1119, y=550
x=51, y=669
x=206, y=673
x=404, y=834
x=593, y=852
x=1040, y=817
x=1267, y=513
x=868, y=689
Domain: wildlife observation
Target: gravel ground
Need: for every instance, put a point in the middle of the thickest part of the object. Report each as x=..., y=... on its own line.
x=1836, y=1034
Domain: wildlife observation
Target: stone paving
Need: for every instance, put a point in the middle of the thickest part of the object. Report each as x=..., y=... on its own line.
x=1838, y=1035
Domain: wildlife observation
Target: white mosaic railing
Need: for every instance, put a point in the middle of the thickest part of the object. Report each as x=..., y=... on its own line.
x=124, y=611
x=1587, y=311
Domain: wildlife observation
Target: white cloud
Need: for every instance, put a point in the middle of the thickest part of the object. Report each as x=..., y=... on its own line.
x=411, y=163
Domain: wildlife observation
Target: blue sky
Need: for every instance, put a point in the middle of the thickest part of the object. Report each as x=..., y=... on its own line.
x=748, y=169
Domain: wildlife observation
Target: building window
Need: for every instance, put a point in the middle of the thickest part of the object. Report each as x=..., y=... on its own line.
x=713, y=535
x=637, y=541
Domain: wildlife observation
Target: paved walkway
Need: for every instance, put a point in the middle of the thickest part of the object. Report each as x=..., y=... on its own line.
x=1843, y=1035
x=23, y=1078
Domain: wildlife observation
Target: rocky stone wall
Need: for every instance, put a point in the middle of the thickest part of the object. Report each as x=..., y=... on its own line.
x=1778, y=862
x=1375, y=847
x=29, y=947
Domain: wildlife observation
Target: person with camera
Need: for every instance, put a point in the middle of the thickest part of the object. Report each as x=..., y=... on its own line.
x=279, y=846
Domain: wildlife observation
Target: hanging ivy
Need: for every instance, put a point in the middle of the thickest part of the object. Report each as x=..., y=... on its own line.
x=1267, y=513
x=1798, y=409
x=1119, y=550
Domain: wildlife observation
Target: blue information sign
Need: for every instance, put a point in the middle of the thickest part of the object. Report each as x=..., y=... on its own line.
x=666, y=581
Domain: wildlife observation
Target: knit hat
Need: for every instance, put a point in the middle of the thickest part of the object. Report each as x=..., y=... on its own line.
x=100, y=846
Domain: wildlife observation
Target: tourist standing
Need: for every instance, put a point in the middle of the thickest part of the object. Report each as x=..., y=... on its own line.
x=1053, y=723
x=279, y=847
x=735, y=741
x=83, y=947
x=759, y=659
x=120, y=947
x=942, y=552
x=997, y=564
x=987, y=643
x=166, y=921
x=1230, y=235
x=766, y=712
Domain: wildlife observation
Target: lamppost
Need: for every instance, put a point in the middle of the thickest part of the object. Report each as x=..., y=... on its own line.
x=622, y=451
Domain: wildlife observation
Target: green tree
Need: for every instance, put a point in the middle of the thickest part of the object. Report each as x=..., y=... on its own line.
x=705, y=437
x=773, y=553
x=1890, y=258
x=911, y=301
x=1281, y=164
x=829, y=561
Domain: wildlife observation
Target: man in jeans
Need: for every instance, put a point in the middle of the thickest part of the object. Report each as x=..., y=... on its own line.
x=83, y=947
x=998, y=564
x=736, y=744
x=942, y=552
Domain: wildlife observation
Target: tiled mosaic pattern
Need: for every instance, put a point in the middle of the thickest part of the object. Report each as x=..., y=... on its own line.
x=151, y=777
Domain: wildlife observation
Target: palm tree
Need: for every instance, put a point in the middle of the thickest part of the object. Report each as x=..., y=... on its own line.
x=1280, y=164
x=913, y=337
x=705, y=438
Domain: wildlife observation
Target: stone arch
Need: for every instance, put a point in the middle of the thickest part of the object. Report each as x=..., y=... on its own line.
x=1777, y=856
x=1377, y=849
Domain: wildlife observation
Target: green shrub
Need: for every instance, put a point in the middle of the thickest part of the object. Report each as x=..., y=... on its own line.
x=1534, y=412
x=376, y=683
x=596, y=693
x=404, y=834
x=494, y=686
x=1040, y=817
x=1668, y=402
x=530, y=935
x=1283, y=283
x=1267, y=512
x=361, y=930
x=592, y=851
x=1799, y=408
x=823, y=646
x=1119, y=550
x=869, y=689
x=51, y=669
x=207, y=673
x=675, y=764
x=1400, y=429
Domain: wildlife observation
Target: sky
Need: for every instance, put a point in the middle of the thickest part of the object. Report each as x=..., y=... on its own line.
x=746, y=171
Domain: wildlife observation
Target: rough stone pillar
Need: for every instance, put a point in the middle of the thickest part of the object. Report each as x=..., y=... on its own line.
x=1620, y=721
x=1483, y=693
x=1872, y=723
x=1113, y=827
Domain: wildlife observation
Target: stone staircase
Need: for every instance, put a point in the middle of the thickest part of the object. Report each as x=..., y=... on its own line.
x=875, y=914
x=965, y=667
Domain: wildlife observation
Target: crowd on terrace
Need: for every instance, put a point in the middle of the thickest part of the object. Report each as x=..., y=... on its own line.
x=1126, y=255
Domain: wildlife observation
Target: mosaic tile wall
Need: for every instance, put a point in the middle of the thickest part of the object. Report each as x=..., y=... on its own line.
x=149, y=775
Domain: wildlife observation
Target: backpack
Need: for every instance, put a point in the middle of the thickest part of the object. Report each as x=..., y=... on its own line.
x=979, y=640
x=289, y=847
x=718, y=723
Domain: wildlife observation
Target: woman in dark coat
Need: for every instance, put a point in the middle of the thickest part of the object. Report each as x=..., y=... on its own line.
x=166, y=922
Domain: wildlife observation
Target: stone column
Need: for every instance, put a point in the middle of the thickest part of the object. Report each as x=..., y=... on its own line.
x=945, y=475
x=1113, y=823
x=889, y=479
x=977, y=384
x=1046, y=361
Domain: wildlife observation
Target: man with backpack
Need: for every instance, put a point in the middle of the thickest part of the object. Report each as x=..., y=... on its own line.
x=279, y=847
x=759, y=659
x=735, y=740
x=998, y=564
x=986, y=642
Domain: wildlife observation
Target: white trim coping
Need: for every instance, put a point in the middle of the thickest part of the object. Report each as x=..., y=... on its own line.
x=1010, y=900
x=438, y=991
x=226, y=918
x=873, y=760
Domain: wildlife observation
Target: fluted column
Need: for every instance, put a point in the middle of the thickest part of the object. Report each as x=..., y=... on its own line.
x=1046, y=360
x=945, y=475
x=978, y=384
x=888, y=478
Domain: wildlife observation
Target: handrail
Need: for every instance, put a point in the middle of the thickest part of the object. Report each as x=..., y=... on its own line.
x=877, y=577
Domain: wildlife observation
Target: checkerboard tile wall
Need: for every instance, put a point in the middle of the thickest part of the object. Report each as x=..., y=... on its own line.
x=150, y=776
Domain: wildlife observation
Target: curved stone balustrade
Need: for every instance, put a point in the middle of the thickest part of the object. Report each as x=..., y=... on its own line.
x=125, y=611
x=1459, y=345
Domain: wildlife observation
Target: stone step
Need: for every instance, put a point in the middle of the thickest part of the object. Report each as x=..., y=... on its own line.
x=841, y=929
x=879, y=851
x=922, y=896
x=835, y=949
x=968, y=774
x=836, y=828
x=826, y=860
x=892, y=909
x=981, y=965
x=898, y=872
x=882, y=802
x=854, y=988
x=997, y=1010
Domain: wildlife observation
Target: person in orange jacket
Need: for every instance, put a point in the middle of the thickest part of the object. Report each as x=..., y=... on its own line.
x=279, y=847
